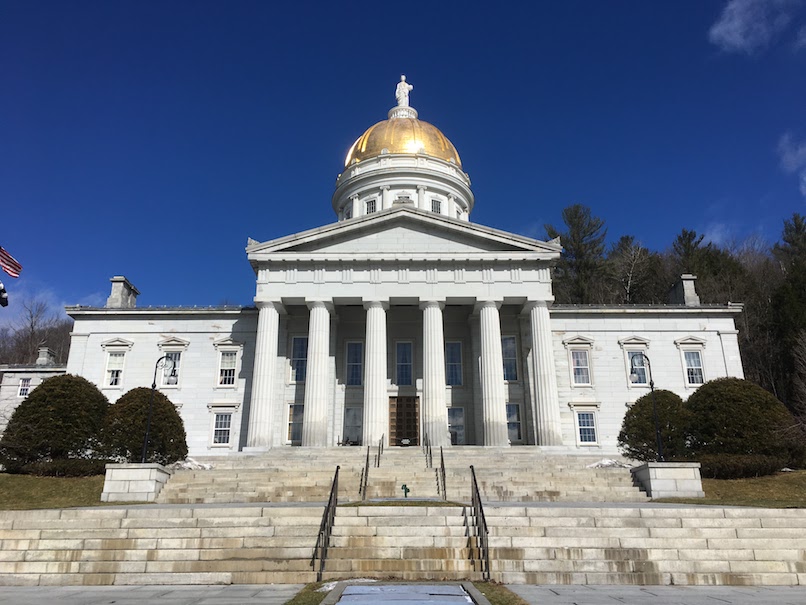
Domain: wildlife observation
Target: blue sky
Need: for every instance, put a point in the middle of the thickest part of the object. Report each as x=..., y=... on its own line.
x=150, y=139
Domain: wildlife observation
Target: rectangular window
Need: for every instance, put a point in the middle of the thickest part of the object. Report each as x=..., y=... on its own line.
x=453, y=364
x=25, y=387
x=299, y=358
x=586, y=422
x=581, y=367
x=638, y=373
x=114, y=369
x=514, y=422
x=436, y=206
x=456, y=425
x=371, y=205
x=353, y=421
x=295, y=412
x=355, y=363
x=175, y=357
x=405, y=364
x=222, y=428
x=509, y=350
x=226, y=372
x=694, y=374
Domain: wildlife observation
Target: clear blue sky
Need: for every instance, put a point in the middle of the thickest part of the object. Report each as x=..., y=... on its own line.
x=150, y=139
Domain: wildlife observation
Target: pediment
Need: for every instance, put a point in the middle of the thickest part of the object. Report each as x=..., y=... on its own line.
x=578, y=341
x=120, y=343
x=404, y=231
x=634, y=341
x=227, y=343
x=690, y=341
x=173, y=343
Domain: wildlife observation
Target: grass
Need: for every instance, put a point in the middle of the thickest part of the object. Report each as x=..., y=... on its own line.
x=24, y=492
x=497, y=594
x=782, y=490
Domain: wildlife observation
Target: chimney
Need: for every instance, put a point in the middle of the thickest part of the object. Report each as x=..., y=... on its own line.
x=46, y=357
x=124, y=294
x=684, y=292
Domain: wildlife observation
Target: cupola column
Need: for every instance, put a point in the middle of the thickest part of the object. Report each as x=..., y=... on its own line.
x=434, y=410
x=376, y=398
x=421, y=200
x=261, y=412
x=355, y=207
x=545, y=396
x=493, y=399
x=317, y=377
x=386, y=197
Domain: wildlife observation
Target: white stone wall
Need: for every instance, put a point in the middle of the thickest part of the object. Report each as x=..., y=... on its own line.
x=10, y=387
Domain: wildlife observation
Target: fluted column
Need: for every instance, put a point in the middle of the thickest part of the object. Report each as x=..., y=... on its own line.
x=376, y=398
x=260, y=408
x=315, y=416
x=434, y=411
x=547, y=402
x=386, y=197
x=493, y=398
x=421, y=201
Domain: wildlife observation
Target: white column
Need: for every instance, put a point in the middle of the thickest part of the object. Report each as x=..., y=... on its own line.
x=314, y=419
x=421, y=201
x=260, y=408
x=376, y=398
x=434, y=409
x=356, y=207
x=386, y=201
x=546, y=398
x=493, y=398
x=450, y=207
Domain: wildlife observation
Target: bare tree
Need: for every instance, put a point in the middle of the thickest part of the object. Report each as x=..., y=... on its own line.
x=37, y=327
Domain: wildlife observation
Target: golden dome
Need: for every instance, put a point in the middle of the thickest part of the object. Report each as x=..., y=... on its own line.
x=403, y=135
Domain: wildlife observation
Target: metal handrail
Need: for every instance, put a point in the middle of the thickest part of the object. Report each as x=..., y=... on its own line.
x=441, y=475
x=325, y=527
x=380, y=451
x=429, y=458
x=482, y=530
x=362, y=488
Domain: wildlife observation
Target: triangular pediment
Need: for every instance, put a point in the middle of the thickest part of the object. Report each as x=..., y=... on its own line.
x=690, y=341
x=173, y=342
x=404, y=231
x=120, y=343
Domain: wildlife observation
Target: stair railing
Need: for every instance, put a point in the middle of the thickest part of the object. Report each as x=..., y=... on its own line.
x=326, y=527
x=380, y=451
x=429, y=459
x=482, y=531
x=362, y=487
x=441, y=476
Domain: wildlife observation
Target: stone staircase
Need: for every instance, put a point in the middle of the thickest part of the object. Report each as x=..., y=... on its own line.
x=158, y=545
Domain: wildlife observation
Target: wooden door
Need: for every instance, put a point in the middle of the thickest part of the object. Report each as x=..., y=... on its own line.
x=404, y=421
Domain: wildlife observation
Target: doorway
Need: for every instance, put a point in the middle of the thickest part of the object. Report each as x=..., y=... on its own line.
x=404, y=421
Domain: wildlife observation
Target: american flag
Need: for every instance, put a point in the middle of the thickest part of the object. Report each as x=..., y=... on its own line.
x=9, y=264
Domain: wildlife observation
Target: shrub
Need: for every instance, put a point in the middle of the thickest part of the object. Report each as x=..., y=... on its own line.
x=71, y=467
x=61, y=419
x=735, y=417
x=737, y=466
x=637, y=437
x=125, y=427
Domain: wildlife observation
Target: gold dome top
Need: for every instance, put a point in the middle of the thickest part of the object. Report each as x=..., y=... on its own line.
x=403, y=135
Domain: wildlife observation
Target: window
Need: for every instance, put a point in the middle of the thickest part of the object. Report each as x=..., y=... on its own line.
x=514, y=422
x=371, y=205
x=580, y=365
x=694, y=373
x=355, y=363
x=637, y=368
x=509, y=350
x=295, y=413
x=586, y=422
x=222, y=427
x=114, y=368
x=405, y=364
x=25, y=387
x=299, y=358
x=353, y=423
x=436, y=206
x=453, y=364
x=226, y=371
x=175, y=357
x=456, y=425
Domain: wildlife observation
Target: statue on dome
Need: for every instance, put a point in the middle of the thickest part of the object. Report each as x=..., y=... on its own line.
x=402, y=92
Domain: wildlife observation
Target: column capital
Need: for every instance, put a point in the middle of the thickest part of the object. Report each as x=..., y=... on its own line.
x=385, y=187
x=531, y=304
x=265, y=304
x=481, y=304
x=319, y=304
x=427, y=304
x=422, y=187
x=354, y=197
x=375, y=304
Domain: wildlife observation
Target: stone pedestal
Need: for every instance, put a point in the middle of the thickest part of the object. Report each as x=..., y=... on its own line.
x=130, y=482
x=669, y=479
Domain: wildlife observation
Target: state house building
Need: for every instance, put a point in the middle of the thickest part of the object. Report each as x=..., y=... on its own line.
x=403, y=319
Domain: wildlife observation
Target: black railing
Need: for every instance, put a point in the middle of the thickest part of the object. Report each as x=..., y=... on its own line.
x=441, y=476
x=380, y=452
x=482, y=530
x=429, y=458
x=362, y=488
x=325, y=527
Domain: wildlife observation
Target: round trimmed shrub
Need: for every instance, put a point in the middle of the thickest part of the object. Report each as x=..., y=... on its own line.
x=734, y=417
x=60, y=419
x=125, y=428
x=637, y=437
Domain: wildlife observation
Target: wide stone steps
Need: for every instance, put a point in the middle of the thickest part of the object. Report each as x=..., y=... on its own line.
x=647, y=545
x=158, y=545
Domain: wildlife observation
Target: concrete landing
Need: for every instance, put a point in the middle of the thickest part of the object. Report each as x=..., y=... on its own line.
x=401, y=594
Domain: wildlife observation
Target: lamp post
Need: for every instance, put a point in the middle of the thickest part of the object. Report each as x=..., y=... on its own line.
x=634, y=377
x=164, y=362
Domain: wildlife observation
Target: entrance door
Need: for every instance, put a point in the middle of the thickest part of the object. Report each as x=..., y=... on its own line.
x=404, y=421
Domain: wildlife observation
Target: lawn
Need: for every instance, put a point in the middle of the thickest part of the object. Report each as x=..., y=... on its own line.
x=782, y=490
x=19, y=492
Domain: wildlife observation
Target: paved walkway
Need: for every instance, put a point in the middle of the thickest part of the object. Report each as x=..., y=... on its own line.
x=277, y=594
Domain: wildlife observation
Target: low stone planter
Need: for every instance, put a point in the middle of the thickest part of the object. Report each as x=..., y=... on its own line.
x=669, y=479
x=130, y=482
